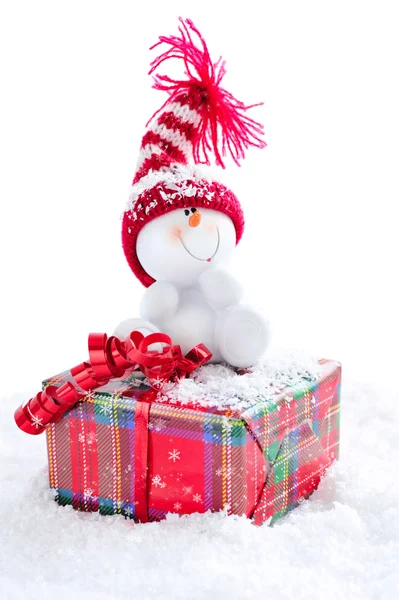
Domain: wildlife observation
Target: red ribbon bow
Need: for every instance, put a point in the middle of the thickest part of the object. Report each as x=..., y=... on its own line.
x=110, y=358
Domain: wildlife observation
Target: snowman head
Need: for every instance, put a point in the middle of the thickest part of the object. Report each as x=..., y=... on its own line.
x=179, y=245
x=174, y=228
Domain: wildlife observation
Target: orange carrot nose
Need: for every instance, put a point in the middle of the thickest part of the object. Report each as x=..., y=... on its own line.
x=195, y=219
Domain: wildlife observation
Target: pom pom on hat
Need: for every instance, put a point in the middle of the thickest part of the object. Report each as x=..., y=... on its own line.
x=199, y=118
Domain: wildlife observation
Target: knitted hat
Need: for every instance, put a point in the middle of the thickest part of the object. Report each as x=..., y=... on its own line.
x=198, y=117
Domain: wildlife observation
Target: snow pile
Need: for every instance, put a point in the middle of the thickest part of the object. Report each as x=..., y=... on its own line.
x=342, y=543
x=222, y=387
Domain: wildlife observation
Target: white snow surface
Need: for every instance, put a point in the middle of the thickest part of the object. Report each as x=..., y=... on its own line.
x=218, y=385
x=342, y=543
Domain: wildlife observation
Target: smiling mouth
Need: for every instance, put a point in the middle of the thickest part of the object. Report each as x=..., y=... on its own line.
x=196, y=257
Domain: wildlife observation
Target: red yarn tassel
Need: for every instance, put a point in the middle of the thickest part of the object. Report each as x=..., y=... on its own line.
x=224, y=125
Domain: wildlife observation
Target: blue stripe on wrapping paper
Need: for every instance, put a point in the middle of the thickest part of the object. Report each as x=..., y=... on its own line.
x=238, y=433
x=132, y=443
x=154, y=514
x=63, y=496
x=219, y=433
x=125, y=416
x=208, y=476
x=128, y=510
x=214, y=432
x=208, y=431
x=208, y=461
x=78, y=499
x=106, y=506
x=102, y=419
x=211, y=434
x=124, y=410
x=315, y=411
x=77, y=413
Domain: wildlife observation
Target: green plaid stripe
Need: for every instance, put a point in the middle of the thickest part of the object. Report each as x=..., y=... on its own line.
x=300, y=440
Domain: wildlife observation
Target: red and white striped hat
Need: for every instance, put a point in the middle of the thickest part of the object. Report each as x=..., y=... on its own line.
x=198, y=117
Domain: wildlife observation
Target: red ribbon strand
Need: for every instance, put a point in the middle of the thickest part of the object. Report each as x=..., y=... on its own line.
x=109, y=358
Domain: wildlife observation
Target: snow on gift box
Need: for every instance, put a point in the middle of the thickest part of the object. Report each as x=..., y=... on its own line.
x=254, y=443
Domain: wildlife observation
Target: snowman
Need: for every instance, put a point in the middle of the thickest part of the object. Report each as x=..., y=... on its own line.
x=181, y=224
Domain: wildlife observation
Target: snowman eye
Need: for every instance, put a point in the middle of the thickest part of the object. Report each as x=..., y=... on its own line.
x=186, y=212
x=193, y=210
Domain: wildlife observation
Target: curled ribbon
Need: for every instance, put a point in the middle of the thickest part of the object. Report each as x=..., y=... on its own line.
x=109, y=358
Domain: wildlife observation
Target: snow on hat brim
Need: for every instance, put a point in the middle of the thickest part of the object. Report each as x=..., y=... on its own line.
x=147, y=203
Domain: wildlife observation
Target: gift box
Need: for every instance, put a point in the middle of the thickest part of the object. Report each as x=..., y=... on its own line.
x=125, y=450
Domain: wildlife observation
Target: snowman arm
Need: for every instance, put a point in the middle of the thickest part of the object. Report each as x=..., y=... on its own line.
x=220, y=288
x=159, y=301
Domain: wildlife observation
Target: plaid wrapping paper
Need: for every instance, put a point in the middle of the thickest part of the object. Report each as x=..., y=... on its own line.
x=260, y=462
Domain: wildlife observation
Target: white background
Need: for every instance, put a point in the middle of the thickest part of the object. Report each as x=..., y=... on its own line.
x=319, y=254
x=321, y=245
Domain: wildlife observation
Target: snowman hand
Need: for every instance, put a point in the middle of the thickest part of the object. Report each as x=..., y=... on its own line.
x=220, y=288
x=159, y=302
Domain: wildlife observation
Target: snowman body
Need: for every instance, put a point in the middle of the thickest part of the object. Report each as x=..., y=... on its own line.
x=191, y=322
x=194, y=299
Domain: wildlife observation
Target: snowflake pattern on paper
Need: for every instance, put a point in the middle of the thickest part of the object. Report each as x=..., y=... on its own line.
x=105, y=409
x=177, y=506
x=157, y=481
x=158, y=424
x=88, y=494
x=174, y=455
x=197, y=498
x=37, y=422
x=127, y=512
x=91, y=438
